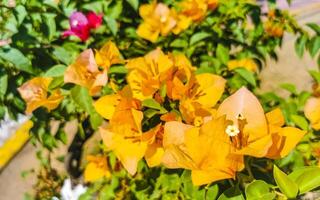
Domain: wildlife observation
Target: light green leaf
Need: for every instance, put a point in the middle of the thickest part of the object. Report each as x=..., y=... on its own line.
x=314, y=27
x=55, y=71
x=246, y=75
x=81, y=96
x=222, y=53
x=212, y=192
x=314, y=45
x=259, y=189
x=300, y=121
x=151, y=103
x=21, y=13
x=118, y=70
x=307, y=178
x=300, y=45
x=289, y=87
x=62, y=55
x=3, y=84
x=17, y=58
x=198, y=37
x=315, y=75
x=112, y=24
x=179, y=43
x=286, y=185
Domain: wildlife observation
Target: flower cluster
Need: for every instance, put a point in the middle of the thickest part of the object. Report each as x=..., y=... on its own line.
x=80, y=24
x=159, y=19
x=169, y=115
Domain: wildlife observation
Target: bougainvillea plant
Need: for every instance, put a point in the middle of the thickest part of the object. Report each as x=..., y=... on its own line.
x=165, y=97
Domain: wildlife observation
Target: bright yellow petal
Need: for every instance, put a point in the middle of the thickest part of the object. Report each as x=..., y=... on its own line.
x=148, y=32
x=211, y=87
x=286, y=141
x=154, y=154
x=128, y=151
x=258, y=148
x=201, y=177
x=275, y=117
x=106, y=105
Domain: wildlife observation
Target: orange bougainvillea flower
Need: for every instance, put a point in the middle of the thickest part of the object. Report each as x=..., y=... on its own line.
x=148, y=73
x=246, y=63
x=124, y=134
x=201, y=96
x=35, y=93
x=312, y=112
x=91, y=71
x=85, y=72
x=157, y=19
x=254, y=134
x=283, y=139
x=204, y=150
x=108, y=55
x=96, y=168
x=197, y=9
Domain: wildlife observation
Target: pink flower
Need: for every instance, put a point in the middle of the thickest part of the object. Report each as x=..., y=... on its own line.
x=94, y=20
x=80, y=24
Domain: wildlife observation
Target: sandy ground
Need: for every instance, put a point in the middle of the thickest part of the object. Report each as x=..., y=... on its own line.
x=289, y=69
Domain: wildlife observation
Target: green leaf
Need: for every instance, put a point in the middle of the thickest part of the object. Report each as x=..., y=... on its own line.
x=118, y=70
x=81, y=96
x=315, y=75
x=151, y=103
x=198, y=37
x=314, y=45
x=231, y=194
x=21, y=13
x=3, y=84
x=286, y=185
x=112, y=24
x=134, y=4
x=51, y=24
x=307, y=178
x=55, y=71
x=300, y=121
x=95, y=120
x=222, y=53
x=62, y=55
x=17, y=59
x=314, y=27
x=246, y=75
x=257, y=190
x=300, y=45
x=179, y=43
x=212, y=192
x=289, y=87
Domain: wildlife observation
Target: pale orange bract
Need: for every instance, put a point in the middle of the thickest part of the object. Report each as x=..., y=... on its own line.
x=312, y=112
x=35, y=93
x=85, y=72
x=91, y=71
x=254, y=134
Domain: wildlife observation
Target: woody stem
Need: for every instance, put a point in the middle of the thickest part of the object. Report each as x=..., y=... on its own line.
x=248, y=168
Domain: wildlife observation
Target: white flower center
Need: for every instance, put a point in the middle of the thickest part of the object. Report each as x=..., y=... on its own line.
x=75, y=23
x=232, y=130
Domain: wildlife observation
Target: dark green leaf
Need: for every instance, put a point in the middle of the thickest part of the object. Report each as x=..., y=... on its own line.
x=134, y=4
x=231, y=194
